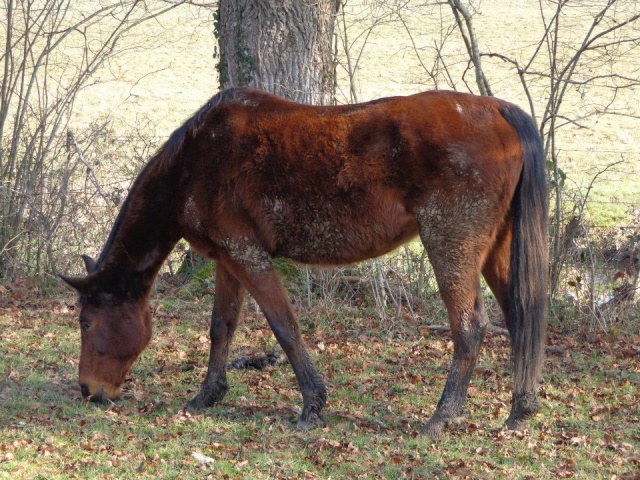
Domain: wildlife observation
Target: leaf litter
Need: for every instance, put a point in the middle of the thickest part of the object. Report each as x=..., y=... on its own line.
x=383, y=384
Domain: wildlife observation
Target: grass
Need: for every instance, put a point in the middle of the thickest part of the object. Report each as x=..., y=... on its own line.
x=383, y=384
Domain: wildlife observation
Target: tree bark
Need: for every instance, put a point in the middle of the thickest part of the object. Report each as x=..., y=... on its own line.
x=280, y=46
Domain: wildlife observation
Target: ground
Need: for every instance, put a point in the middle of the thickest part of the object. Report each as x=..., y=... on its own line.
x=384, y=379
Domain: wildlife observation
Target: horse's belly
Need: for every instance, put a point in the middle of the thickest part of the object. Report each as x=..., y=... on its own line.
x=340, y=232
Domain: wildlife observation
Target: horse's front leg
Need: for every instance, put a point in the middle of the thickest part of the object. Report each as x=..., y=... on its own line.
x=224, y=320
x=263, y=283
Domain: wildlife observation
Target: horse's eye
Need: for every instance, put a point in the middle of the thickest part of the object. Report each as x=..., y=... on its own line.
x=85, y=325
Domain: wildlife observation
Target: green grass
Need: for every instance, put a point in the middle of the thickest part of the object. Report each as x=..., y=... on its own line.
x=383, y=384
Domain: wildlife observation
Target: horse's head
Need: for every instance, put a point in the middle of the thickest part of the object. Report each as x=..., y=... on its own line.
x=114, y=330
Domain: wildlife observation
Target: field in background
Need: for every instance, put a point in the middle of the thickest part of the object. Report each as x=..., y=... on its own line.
x=167, y=71
x=164, y=72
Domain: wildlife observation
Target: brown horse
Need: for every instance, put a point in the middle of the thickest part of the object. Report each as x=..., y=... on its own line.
x=251, y=177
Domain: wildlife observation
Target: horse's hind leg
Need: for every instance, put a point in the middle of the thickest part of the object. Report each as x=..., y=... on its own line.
x=496, y=267
x=496, y=273
x=224, y=320
x=468, y=322
x=456, y=246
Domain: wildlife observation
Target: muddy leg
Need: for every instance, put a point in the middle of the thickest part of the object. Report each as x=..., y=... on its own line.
x=468, y=324
x=226, y=311
x=267, y=290
x=455, y=235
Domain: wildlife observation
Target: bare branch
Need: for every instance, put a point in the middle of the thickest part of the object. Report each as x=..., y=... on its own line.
x=471, y=43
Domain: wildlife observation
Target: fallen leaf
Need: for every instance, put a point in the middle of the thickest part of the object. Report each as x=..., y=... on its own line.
x=202, y=458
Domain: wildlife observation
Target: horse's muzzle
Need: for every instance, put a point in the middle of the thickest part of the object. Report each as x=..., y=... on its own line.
x=99, y=397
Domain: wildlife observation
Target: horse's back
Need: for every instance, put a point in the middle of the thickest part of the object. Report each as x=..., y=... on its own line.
x=338, y=184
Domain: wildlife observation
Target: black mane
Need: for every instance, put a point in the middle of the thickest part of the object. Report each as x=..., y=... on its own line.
x=163, y=159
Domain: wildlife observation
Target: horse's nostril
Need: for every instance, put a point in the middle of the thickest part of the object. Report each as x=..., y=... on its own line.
x=85, y=390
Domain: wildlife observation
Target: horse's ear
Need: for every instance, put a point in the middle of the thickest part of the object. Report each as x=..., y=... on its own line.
x=89, y=263
x=81, y=284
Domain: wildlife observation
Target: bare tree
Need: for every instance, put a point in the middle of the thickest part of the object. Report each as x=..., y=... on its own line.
x=575, y=65
x=40, y=84
x=354, y=30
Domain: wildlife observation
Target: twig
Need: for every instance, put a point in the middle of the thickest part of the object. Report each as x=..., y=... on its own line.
x=470, y=41
x=71, y=141
x=490, y=328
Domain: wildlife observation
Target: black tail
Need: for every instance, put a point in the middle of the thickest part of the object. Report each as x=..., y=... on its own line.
x=528, y=271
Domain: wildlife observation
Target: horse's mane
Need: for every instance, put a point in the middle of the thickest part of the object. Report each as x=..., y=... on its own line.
x=164, y=159
x=173, y=146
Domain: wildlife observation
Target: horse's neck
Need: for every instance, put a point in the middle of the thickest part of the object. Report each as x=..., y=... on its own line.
x=143, y=235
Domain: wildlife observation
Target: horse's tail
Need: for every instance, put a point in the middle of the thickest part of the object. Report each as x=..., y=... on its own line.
x=528, y=270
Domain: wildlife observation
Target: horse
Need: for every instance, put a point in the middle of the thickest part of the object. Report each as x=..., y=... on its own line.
x=251, y=177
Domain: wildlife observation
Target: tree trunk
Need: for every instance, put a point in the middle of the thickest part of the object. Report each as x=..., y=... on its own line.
x=280, y=46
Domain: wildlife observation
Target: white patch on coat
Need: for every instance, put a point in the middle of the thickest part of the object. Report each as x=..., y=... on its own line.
x=192, y=216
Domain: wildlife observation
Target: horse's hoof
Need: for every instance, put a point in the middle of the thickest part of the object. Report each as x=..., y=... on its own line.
x=202, y=401
x=434, y=428
x=523, y=407
x=197, y=404
x=210, y=393
x=311, y=421
x=516, y=424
